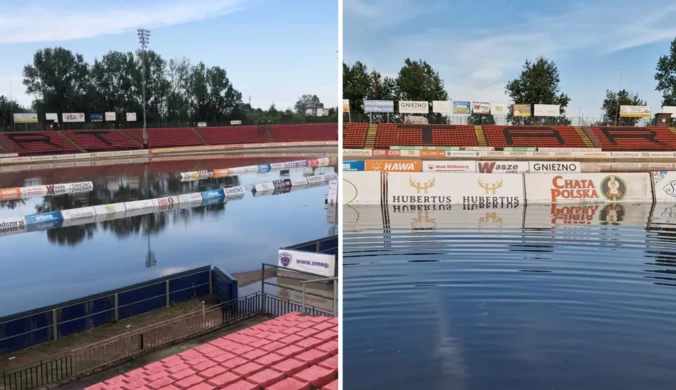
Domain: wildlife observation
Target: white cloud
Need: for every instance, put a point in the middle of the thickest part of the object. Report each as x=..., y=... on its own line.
x=51, y=21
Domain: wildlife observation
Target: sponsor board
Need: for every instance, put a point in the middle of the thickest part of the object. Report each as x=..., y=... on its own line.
x=485, y=191
x=546, y=110
x=96, y=117
x=462, y=153
x=432, y=153
x=665, y=186
x=213, y=194
x=281, y=183
x=346, y=105
x=449, y=166
x=48, y=217
x=3, y=155
x=110, y=211
x=73, y=117
x=481, y=107
x=312, y=162
x=295, y=164
x=299, y=182
x=167, y=203
x=554, y=166
x=357, y=152
x=379, y=106
x=589, y=188
x=44, y=226
x=26, y=117
x=386, y=152
x=547, y=216
x=462, y=108
x=247, y=169
x=635, y=111
x=85, y=186
x=79, y=216
x=353, y=165
x=521, y=109
x=501, y=166
x=441, y=107
x=333, y=191
x=40, y=190
x=499, y=109
x=328, y=177
x=190, y=203
x=269, y=186
x=230, y=191
x=276, y=166
x=431, y=217
x=316, y=294
x=10, y=226
x=315, y=263
x=111, y=116
x=413, y=107
x=221, y=172
x=361, y=188
x=271, y=191
x=140, y=205
x=323, y=161
x=131, y=116
x=569, y=149
x=191, y=197
x=392, y=165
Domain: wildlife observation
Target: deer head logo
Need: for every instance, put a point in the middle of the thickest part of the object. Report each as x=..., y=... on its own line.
x=423, y=221
x=421, y=187
x=490, y=217
x=490, y=188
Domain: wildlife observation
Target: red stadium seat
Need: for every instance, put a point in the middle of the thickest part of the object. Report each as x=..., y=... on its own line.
x=36, y=142
x=233, y=135
x=538, y=136
x=454, y=136
x=167, y=137
x=412, y=135
x=635, y=138
x=354, y=135
x=305, y=132
x=94, y=140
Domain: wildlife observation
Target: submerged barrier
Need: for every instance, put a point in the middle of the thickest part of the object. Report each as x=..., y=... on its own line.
x=506, y=190
x=464, y=166
x=298, y=183
x=16, y=193
x=542, y=154
x=260, y=168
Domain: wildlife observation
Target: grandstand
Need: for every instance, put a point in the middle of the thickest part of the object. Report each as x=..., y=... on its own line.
x=27, y=143
x=608, y=138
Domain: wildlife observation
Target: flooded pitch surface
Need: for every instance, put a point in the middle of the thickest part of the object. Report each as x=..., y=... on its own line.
x=45, y=267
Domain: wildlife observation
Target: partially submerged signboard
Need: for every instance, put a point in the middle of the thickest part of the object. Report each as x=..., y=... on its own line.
x=589, y=188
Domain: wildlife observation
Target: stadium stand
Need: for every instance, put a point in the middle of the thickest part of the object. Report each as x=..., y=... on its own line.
x=354, y=135
x=454, y=136
x=420, y=135
x=538, y=136
x=307, y=132
x=36, y=142
x=93, y=140
x=167, y=137
x=233, y=135
x=635, y=138
x=393, y=135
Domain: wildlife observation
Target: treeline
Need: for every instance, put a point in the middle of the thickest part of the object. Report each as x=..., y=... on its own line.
x=538, y=83
x=176, y=90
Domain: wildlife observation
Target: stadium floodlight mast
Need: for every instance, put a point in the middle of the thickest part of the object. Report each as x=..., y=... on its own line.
x=144, y=39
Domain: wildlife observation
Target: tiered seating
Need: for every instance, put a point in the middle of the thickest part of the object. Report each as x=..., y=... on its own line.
x=454, y=136
x=539, y=136
x=36, y=142
x=395, y=135
x=306, y=132
x=354, y=135
x=93, y=140
x=167, y=137
x=233, y=135
x=635, y=138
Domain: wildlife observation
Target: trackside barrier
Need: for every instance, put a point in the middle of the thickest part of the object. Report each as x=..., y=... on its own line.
x=283, y=186
x=260, y=168
x=77, y=156
x=45, y=190
x=563, y=154
x=505, y=190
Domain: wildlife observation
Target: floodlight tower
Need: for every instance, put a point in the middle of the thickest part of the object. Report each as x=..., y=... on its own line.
x=144, y=39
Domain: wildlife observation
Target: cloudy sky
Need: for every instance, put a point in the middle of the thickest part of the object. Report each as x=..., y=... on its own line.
x=273, y=50
x=477, y=47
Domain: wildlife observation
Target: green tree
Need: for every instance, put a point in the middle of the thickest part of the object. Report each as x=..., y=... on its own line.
x=7, y=108
x=418, y=81
x=479, y=119
x=308, y=102
x=611, y=108
x=114, y=85
x=537, y=84
x=178, y=73
x=211, y=95
x=666, y=76
x=356, y=84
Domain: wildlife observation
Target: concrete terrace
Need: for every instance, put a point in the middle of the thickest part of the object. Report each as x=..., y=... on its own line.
x=291, y=352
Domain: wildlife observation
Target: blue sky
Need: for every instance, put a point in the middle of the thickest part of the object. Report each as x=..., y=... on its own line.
x=477, y=47
x=273, y=50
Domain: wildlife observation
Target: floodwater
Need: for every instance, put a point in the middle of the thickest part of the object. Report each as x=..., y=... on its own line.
x=46, y=267
x=536, y=297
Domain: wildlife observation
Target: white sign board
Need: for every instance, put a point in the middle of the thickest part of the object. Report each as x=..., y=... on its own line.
x=333, y=191
x=635, y=111
x=131, y=117
x=191, y=197
x=554, y=166
x=499, y=109
x=315, y=263
x=13, y=225
x=411, y=107
x=26, y=117
x=589, y=188
x=547, y=110
x=665, y=186
x=502, y=167
x=436, y=189
x=111, y=117
x=669, y=110
x=236, y=122
x=78, y=216
x=52, y=116
x=441, y=107
x=449, y=166
x=481, y=108
x=73, y=117
x=361, y=188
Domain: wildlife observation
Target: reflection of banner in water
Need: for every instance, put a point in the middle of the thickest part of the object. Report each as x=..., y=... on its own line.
x=318, y=295
x=663, y=213
x=547, y=216
x=261, y=168
x=468, y=216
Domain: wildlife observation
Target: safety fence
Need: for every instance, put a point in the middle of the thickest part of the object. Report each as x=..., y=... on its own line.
x=117, y=349
x=520, y=153
x=498, y=189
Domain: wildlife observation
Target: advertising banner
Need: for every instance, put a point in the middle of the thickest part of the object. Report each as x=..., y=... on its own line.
x=146, y=204
x=247, y=169
x=213, y=194
x=410, y=107
x=354, y=165
x=481, y=107
x=236, y=122
x=425, y=218
x=282, y=183
x=476, y=190
x=264, y=168
x=234, y=193
x=73, y=117
x=316, y=294
x=111, y=116
x=299, y=182
x=589, y=188
x=262, y=187
x=110, y=209
x=191, y=197
x=26, y=117
x=441, y=107
x=499, y=109
x=665, y=186
x=131, y=117
x=379, y=106
x=361, y=188
x=502, y=166
x=547, y=216
x=462, y=108
x=392, y=165
x=546, y=110
x=96, y=117
x=669, y=110
x=80, y=216
x=357, y=152
x=449, y=166
x=554, y=167
x=462, y=153
x=635, y=112
x=52, y=116
x=13, y=225
x=333, y=191
x=521, y=110
x=346, y=105
x=167, y=203
x=315, y=263
x=52, y=216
